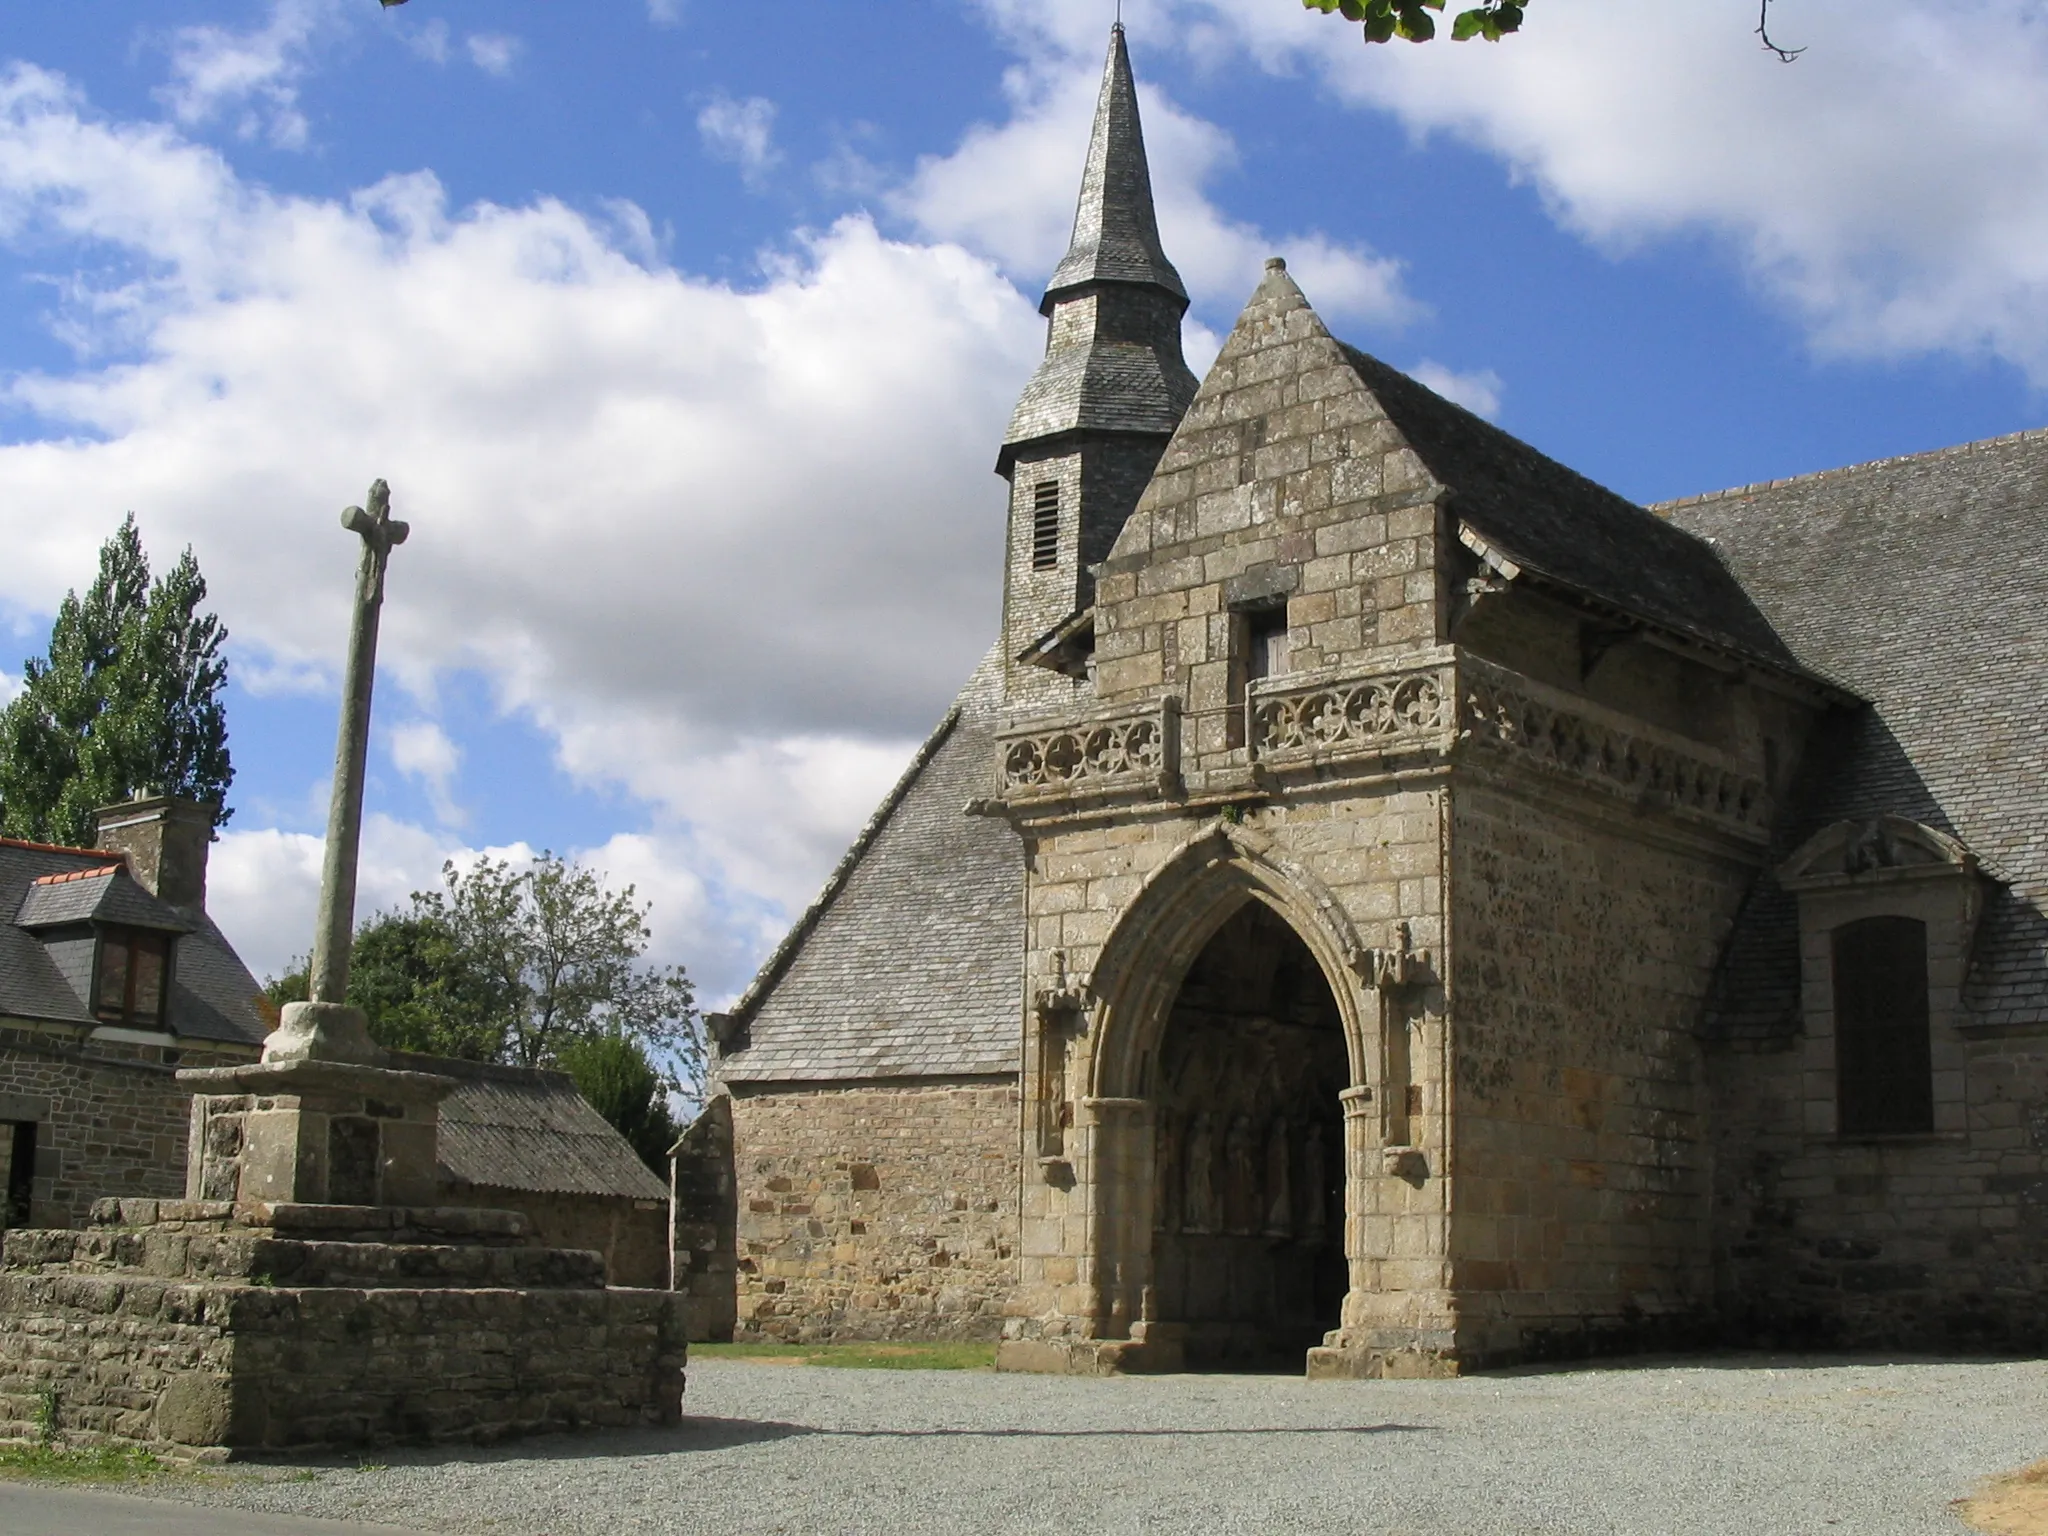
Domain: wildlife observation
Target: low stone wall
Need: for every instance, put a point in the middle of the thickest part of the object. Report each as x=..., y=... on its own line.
x=876, y=1211
x=174, y=1334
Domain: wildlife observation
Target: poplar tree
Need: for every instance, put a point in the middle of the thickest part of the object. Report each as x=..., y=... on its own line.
x=128, y=699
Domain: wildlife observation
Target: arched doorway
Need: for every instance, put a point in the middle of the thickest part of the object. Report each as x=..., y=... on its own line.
x=1248, y=1149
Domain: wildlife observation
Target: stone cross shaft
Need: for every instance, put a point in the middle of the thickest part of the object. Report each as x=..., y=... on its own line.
x=380, y=534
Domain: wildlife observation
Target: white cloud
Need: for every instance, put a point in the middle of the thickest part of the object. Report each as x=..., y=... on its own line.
x=1890, y=189
x=421, y=750
x=250, y=78
x=1478, y=390
x=1008, y=190
x=10, y=688
x=665, y=13
x=741, y=132
x=732, y=546
x=493, y=52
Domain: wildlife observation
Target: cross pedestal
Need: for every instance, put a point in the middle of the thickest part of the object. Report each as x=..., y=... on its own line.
x=314, y=1133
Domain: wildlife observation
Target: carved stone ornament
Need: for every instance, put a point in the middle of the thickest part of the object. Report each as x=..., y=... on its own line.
x=1393, y=969
x=1316, y=720
x=1117, y=754
x=1874, y=850
x=1573, y=740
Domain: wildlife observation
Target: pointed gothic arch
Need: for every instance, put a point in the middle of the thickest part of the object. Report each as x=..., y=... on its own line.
x=1133, y=989
x=1176, y=912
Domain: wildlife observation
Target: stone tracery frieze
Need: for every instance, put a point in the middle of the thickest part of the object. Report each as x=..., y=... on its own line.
x=1433, y=705
x=1105, y=755
x=1321, y=720
x=1579, y=741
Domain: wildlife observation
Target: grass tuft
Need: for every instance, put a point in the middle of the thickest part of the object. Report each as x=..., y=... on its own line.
x=936, y=1356
x=62, y=1464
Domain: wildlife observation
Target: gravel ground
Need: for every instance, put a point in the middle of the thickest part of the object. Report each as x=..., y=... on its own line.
x=1748, y=1444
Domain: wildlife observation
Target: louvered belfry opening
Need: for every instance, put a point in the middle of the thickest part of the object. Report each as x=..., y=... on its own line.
x=1045, y=525
x=1884, y=1078
x=1248, y=1203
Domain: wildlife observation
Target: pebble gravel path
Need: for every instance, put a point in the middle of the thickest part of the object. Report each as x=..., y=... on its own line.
x=1754, y=1445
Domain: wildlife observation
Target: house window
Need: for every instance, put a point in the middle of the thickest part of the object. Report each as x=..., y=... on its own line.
x=1265, y=652
x=129, y=987
x=1045, y=525
x=1884, y=1079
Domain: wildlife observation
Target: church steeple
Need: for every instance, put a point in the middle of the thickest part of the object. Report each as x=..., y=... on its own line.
x=1116, y=233
x=1090, y=426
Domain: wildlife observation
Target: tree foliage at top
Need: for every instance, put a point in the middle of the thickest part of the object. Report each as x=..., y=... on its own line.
x=1384, y=20
x=127, y=699
x=538, y=965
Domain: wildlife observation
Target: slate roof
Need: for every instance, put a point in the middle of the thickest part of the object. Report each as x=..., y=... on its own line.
x=1919, y=582
x=1554, y=522
x=213, y=996
x=106, y=895
x=1110, y=381
x=910, y=962
x=524, y=1128
x=1116, y=231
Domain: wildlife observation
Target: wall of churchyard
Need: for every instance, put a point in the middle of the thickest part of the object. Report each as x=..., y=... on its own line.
x=110, y=1117
x=1928, y=1242
x=1582, y=954
x=876, y=1211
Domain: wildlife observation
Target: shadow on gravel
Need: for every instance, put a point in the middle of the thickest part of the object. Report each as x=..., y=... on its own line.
x=696, y=1435
x=1746, y=1360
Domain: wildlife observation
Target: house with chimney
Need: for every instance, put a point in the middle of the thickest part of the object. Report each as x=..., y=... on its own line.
x=112, y=977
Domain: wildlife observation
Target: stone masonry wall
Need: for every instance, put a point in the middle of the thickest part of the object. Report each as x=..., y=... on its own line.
x=177, y=1336
x=110, y=1117
x=1930, y=1242
x=876, y=1211
x=1581, y=957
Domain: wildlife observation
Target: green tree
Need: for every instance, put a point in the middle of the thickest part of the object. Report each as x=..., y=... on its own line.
x=539, y=964
x=613, y=1073
x=127, y=699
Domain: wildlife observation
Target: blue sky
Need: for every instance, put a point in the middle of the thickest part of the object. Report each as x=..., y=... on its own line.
x=685, y=334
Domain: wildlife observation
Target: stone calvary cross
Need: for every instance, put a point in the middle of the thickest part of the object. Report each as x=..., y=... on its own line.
x=326, y=1028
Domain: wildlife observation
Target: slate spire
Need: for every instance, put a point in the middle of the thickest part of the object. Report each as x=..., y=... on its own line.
x=1112, y=359
x=1116, y=233
x=1090, y=426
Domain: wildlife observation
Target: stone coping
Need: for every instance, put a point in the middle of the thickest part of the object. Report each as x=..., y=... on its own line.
x=303, y=1077
x=388, y=1223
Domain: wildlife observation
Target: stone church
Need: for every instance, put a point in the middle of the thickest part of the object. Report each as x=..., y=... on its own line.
x=1387, y=900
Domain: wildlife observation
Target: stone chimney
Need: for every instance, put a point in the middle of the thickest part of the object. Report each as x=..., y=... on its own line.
x=165, y=839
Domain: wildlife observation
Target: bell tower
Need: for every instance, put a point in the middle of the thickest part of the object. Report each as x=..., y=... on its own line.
x=1092, y=423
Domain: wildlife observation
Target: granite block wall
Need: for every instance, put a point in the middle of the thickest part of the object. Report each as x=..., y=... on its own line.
x=876, y=1211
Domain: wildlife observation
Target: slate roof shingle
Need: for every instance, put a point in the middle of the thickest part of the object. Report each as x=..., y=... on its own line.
x=1555, y=522
x=1917, y=581
x=525, y=1128
x=910, y=963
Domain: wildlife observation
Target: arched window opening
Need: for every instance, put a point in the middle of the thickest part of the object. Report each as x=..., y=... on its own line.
x=1884, y=1078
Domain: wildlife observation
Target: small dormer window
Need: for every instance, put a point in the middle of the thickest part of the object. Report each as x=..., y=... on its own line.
x=1045, y=525
x=128, y=984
